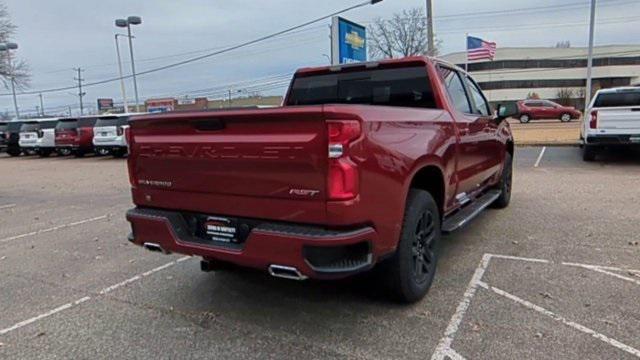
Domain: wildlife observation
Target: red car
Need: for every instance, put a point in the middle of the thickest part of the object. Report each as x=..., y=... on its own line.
x=364, y=165
x=75, y=136
x=545, y=109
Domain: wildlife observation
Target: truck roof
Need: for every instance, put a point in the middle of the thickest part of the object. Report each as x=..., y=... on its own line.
x=407, y=61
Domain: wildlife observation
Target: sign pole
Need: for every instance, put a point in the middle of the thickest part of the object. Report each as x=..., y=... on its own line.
x=592, y=26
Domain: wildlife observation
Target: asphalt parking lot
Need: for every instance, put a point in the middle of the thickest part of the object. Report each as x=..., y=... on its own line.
x=555, y=275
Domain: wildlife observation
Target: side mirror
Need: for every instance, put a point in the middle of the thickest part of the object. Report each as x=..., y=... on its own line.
x=506, y=111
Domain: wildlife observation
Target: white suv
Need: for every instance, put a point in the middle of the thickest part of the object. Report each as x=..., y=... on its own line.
x=613, y=119
x=108, y=135
x=37, y=136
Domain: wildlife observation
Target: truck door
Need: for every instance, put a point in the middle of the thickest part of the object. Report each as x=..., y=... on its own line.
x=471, y=132
x=491, y=148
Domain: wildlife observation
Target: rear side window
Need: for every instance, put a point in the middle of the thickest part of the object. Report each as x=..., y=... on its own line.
x=112, y=121
x=456, y=90
x=29, y=127
x=67, y=125
x=618, y=99
x=408, y=87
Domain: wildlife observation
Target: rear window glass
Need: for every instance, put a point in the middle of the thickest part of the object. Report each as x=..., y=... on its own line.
x=627, y=98
x=49, y=124
x=407, y=87
x=67, y=125
x=14, y=126
x=29, y=127
x=112, y=121
x=87, y=122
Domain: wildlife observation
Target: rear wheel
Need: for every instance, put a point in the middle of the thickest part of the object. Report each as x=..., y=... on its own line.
x=120, y=153
x=102, y=152
x=589, y=152
x=505, y=184
x=524, y=118
x=565, y=117
x=79, y=153
x=44, y=152
x=14, y=152
x=410, y=272
x=63, y=152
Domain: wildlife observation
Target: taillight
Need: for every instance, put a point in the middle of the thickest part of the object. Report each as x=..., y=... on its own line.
x=40, y=133
x=119, y=131
x=343, y=180
x=593, y=123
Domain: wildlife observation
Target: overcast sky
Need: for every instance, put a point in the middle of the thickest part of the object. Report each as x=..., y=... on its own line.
x=55, y=36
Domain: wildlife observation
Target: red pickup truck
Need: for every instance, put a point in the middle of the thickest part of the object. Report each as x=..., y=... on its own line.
x=363, y=165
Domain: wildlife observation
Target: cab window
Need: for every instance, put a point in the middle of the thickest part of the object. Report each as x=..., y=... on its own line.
x=455, y=89
x=480, y=104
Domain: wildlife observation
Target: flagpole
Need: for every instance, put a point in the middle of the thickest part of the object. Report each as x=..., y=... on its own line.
x=466, y=52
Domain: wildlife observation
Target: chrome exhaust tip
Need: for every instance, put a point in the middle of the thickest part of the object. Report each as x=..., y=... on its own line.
x=286, y=272
x=154, y=247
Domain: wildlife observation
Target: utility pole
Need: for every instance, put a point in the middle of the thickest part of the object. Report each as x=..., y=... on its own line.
x=41, y=104
x=229, y=97
x=592, y=27
x=80, y=93
x=431, y=45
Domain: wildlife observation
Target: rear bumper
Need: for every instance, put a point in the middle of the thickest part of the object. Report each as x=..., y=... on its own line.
x=110, y=142
x=313, y=251
x=609, y=140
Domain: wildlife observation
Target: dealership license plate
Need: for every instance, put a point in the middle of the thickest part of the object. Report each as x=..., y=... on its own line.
x=220, y=229
x=104, y=134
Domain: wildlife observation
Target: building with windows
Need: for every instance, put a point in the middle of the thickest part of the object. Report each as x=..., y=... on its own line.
x=557, y=74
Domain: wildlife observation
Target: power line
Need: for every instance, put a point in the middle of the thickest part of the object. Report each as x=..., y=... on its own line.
x=215, y=53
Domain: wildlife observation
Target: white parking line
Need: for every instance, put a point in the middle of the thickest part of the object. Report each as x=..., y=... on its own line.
x=87, y=298
x=44, y=315
x=540, y=156
x=444, y=346
x=8, y=206
x=556, y=317
x=606, y=272
x=55, y=228
x=444, y=350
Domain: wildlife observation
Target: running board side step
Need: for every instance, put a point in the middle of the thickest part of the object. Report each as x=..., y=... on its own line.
x=469, y=212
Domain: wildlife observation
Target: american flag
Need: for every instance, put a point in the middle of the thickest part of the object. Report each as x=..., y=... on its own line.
x=478, y=49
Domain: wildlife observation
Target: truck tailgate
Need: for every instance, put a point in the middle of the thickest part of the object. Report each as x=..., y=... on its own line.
x=270, y=163
x=622, y=120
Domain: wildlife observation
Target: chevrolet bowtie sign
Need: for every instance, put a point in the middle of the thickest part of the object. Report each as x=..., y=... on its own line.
x=349, y=42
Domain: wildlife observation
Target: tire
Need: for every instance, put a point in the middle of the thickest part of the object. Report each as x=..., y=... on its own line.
x=408, y=274
x=44, y=153
x=505, y=184
x=102, y=152
x=525, y=118
x=14, y=152
x=79, y=153
x=589, y=152
x=566, y=117
x=63, y=152
x=119, y=153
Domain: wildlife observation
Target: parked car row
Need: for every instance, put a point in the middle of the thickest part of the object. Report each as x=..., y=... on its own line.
x=103, y=135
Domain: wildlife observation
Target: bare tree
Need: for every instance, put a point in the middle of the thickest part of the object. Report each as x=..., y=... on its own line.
x=405, y=34
x=19, y=69
x=563, y=44
x=565, y=96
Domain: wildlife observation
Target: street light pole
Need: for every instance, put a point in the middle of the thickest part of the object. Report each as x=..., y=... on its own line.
x=122, y=87
x=592, y=26
x=431, y=46
x=131, y=20
x=41, y=104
